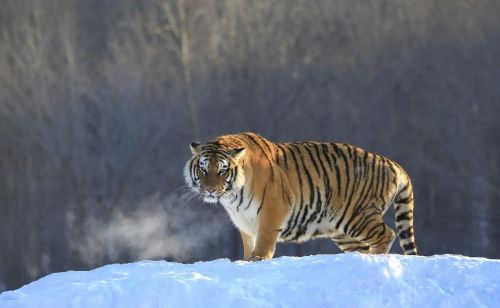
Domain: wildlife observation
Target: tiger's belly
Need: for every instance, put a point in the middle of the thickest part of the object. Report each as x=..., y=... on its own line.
x=311, y=231
x=295, y=228
x=303, y=226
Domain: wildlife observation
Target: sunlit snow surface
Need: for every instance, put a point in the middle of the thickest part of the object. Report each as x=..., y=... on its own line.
x=343, y=280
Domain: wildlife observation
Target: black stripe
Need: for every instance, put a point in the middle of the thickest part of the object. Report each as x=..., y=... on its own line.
x=236, y=170
x=406, y=234
x=337, y=171
x=282, y=186
x=309, y=178
x=263, y=141
x=278, y=159
x=380, y=239
x=209, y=150
x=311, y=193
x=326, y=183
x=364, y=194
x=318, y=155
x=338, y=237
x=363, y=228
x=251, y=196
x=362, y=164
x=221, y=154
x=379, y=173
x=384, y=180
x=249, y=202
x=305, y=146
x=391, y=164
x=360, y=200
x=405, y=200
x=324, y=149
x=371, y=232
x=380, y=234
x=404, y=216
x=234, y=199
x=241, y=198
x=263, y=152
x=193, y=168
x=191, y=172
x=262, y=202
x=349, y=201
x=361, y=225
x=312, y=217
x=232, y=176
x=232, y=179
x=320, y=206
x=317, y=209
x=266, y=143
x=290, y=223
x=284, y=155
x=299, y=176
x=293, y=221
x=409, y=246
x=349, y=150
x=344, y=158
x=299, y=231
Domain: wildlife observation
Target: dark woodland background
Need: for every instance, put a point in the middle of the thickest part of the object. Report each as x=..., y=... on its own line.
x=100, y=99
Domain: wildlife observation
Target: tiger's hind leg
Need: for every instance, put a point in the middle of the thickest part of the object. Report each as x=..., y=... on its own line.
x=348, y=244
x=377, y=236
x=369, y=229
x=383, y=239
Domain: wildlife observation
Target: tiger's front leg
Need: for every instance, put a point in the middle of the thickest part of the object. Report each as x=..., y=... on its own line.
x=271, y=217
x=266, y=241
x=248, y=245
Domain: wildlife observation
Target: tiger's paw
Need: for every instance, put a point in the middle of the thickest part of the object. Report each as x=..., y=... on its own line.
x=253, y=259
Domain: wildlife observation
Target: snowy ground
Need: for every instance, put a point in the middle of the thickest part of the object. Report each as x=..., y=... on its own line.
x=344, y=280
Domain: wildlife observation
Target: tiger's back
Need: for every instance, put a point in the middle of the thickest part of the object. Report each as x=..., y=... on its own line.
x=300, y=191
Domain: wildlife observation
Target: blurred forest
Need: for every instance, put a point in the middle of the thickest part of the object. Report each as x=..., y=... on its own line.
x=99, y=100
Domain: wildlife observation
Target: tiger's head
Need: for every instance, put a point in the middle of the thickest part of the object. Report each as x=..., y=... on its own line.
x=214, y=172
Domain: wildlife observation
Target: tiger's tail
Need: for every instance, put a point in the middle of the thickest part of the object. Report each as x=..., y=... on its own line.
x=403, y=205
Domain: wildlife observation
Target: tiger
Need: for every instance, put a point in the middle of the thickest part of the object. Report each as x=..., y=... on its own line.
x=295, y=192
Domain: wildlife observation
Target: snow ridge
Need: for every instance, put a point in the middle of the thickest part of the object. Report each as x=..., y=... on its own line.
x=343, y=280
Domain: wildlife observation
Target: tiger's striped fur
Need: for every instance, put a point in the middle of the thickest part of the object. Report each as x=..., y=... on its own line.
x=299, y=191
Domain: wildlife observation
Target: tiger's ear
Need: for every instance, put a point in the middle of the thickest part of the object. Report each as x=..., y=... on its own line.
x=237, y=153
x=195, y=147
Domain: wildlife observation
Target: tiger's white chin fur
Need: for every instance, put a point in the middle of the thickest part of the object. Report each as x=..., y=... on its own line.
x=210, y=199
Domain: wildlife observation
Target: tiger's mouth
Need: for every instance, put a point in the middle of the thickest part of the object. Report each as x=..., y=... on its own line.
x=212, y=196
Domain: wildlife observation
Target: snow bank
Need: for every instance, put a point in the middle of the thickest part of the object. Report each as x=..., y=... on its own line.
x=344, y=280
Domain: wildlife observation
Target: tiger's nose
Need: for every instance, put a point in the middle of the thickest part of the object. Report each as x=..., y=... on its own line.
x=211, y=191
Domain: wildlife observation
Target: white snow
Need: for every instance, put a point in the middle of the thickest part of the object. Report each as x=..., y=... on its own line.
x=343, y=280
